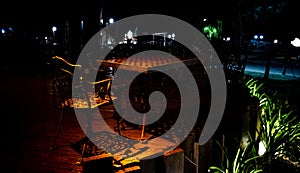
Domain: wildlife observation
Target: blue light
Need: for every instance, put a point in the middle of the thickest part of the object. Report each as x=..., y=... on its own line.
x=81, y=24
x=11, y=29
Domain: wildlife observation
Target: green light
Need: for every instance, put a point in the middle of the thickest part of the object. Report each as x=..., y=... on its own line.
x=210, y=32
x=213, y=30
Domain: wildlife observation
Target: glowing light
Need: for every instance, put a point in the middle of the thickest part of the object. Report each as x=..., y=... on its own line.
x=129, y=34
x=245, y=141
x=275, y=41
x=3, y=31
x=46, y=38
x=261, y=37
x=296, y=42
x=228, y=39
x=255, y=36
x=261, y=148
x=81, y=25
x=11, y=29
x=101, y=21
x=204, y=20
x=111, y=20
x=54, y=28
x=211, y=32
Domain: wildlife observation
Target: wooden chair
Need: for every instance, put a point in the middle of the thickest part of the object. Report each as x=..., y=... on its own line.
x=62, y=76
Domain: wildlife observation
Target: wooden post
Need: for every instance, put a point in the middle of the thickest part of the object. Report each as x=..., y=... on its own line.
x=205, y=156
x=154, y=165
x=174, y=161
x=196, y=156
x=148, y=166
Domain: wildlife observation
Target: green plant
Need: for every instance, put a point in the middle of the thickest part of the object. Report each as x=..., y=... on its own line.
x=245, y=160
x=278, y=128
x=277, y=132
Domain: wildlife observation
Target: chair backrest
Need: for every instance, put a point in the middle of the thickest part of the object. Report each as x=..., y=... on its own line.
x=88, y=91
x=62, y=76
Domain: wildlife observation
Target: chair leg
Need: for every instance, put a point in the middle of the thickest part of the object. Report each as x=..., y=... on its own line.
x=58, y=128
x=143, y=138
x=79, y=160
x=121, y=124
x=117, y=127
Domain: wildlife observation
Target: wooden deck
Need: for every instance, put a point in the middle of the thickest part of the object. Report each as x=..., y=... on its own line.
x=30, y=118
x=29, y=121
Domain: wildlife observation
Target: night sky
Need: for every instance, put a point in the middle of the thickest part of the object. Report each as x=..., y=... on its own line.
x=41, y=15
x=27, y=13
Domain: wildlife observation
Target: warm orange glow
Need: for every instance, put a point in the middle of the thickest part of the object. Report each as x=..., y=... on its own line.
x=60, y=58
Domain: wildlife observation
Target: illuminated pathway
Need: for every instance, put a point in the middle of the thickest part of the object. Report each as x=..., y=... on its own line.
x=277, y=69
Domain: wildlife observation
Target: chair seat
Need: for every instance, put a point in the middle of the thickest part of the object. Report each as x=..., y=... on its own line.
x=83, y=104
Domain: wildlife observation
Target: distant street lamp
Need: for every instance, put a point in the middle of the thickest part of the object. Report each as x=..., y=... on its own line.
x=111, y=21
x=81, y=25
x=54, y=29
x=173, y=36
x=261, y=37
x=256, y=39
x=296, y=42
